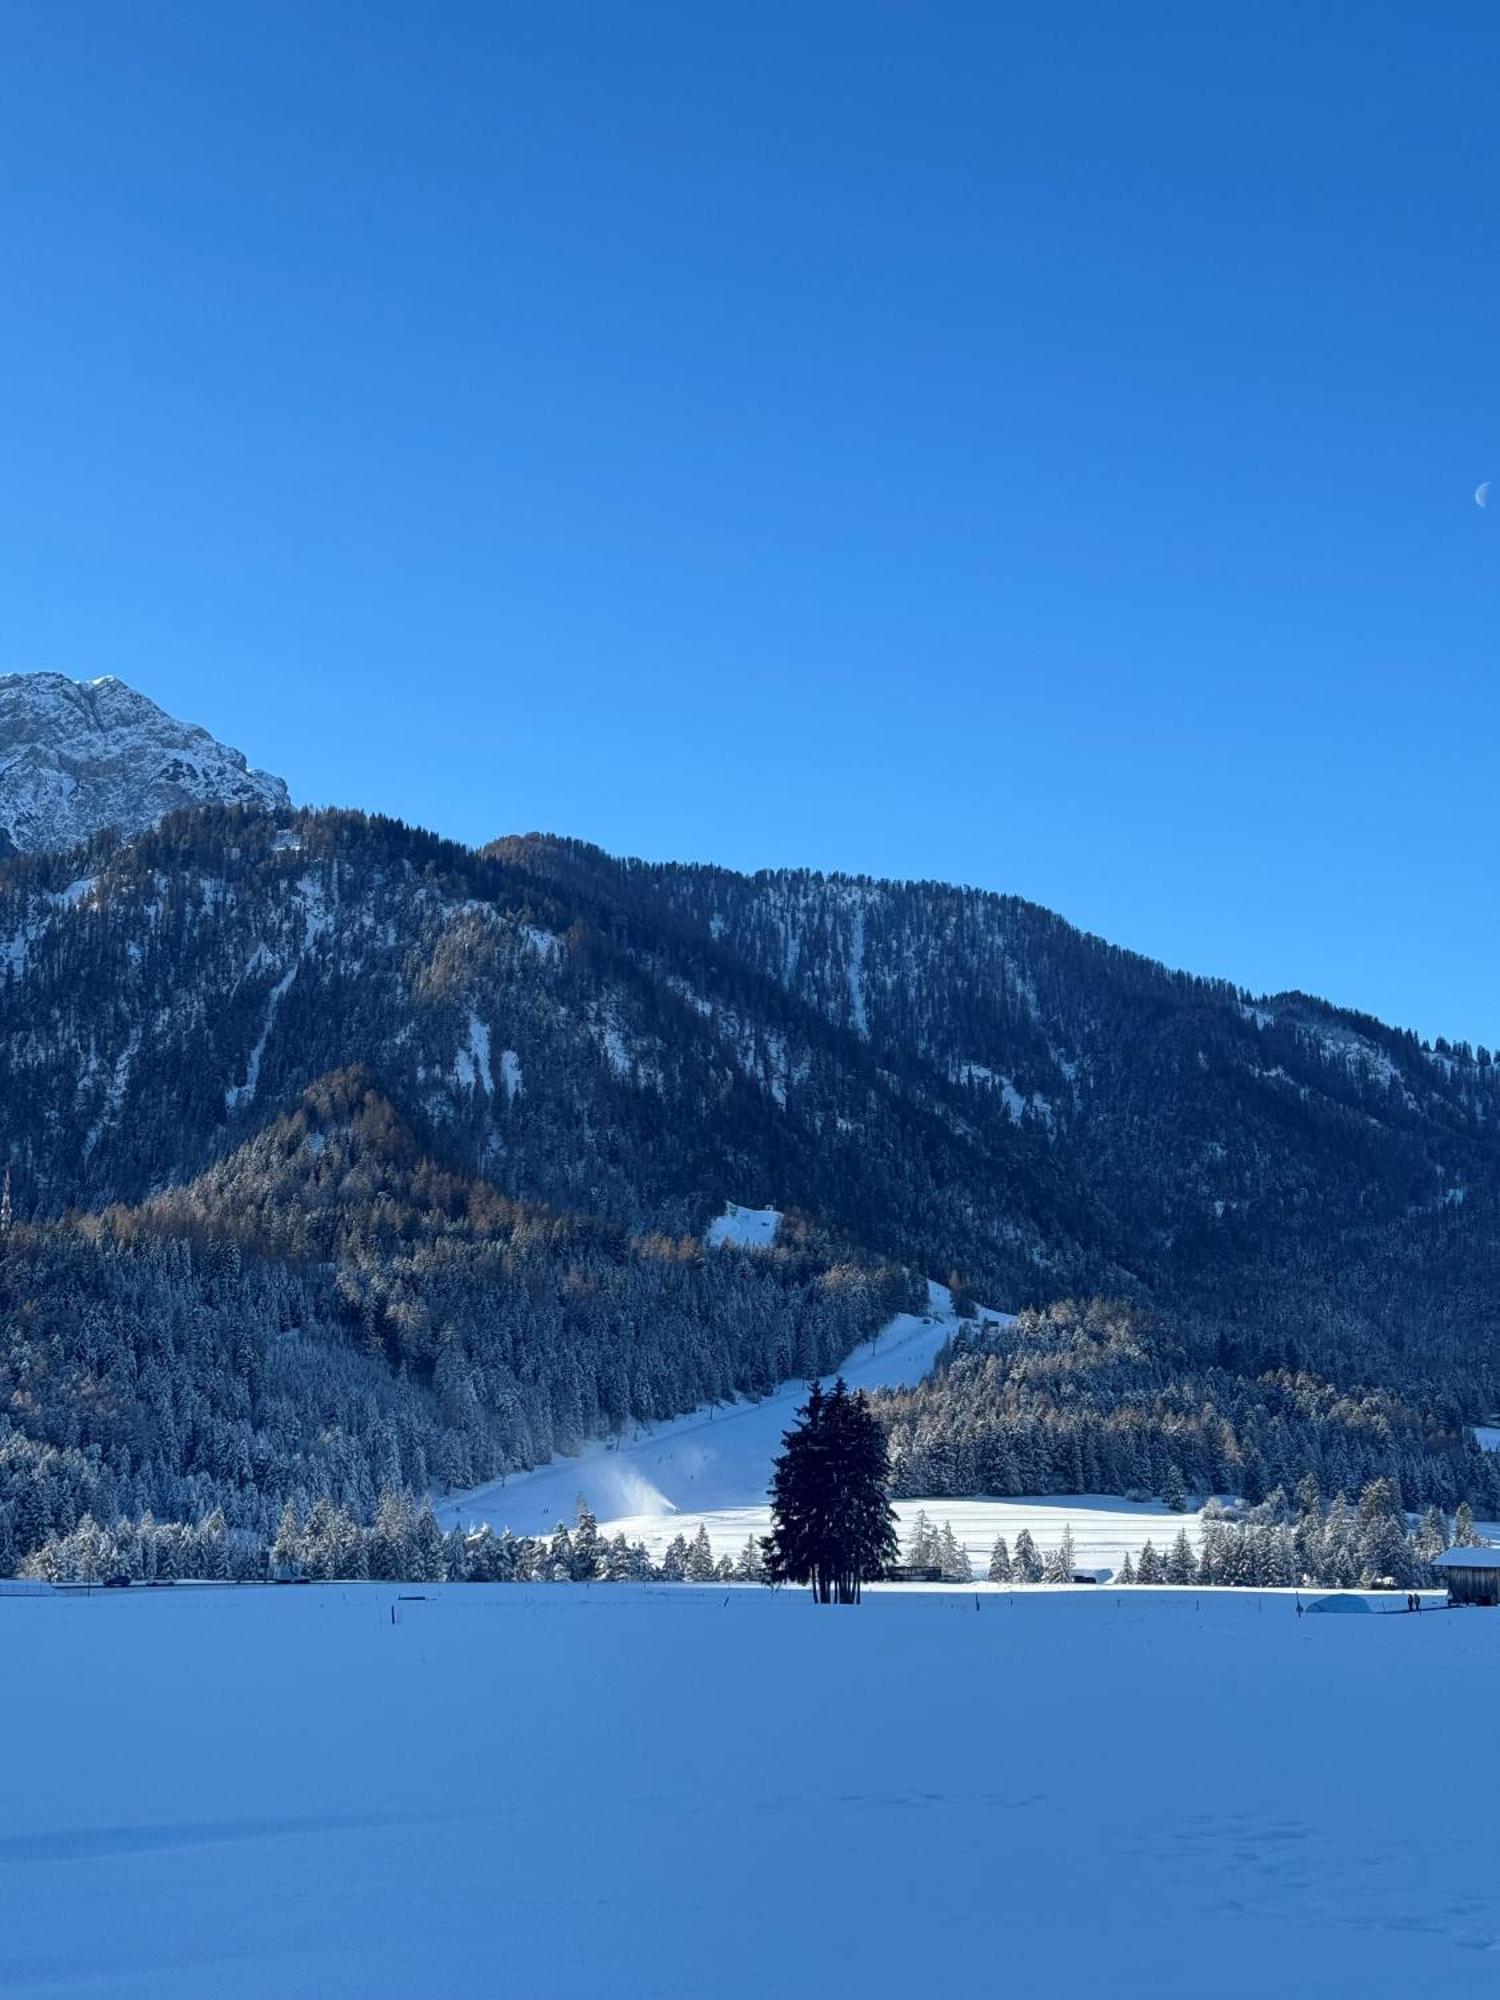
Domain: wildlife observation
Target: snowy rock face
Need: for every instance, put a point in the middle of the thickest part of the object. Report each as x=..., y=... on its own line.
x=79, y=756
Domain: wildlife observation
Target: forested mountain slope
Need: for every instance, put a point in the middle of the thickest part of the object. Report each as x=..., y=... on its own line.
x=1307, y=1180
x=166, y=996
x=329, y=1313
x=952, y=1078
x=948, y=1080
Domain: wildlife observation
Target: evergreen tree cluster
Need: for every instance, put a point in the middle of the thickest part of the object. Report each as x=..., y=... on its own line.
x=403, y=1544
x=1098, y=1397
x=1029, y=1564
x=1284, y=1542
x=934, y=1554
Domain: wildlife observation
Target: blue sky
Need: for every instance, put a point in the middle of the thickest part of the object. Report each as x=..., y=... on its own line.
x=1030, y=446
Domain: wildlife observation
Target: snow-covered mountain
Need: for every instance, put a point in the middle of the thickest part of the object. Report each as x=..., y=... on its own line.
x=77, y=757
x=472, y=1115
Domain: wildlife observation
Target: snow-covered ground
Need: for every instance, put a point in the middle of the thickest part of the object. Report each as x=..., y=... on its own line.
x=665, y=1794
x=1104, y=1526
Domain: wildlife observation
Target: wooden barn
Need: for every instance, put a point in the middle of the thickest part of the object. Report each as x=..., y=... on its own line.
x=1472, y=1576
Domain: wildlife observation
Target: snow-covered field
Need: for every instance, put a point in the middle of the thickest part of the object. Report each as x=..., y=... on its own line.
x=713, y=1467
x=560, y=1793
x=1104, y=1526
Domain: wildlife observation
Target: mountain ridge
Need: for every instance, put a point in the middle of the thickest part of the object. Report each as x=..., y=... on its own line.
x=986, y=1023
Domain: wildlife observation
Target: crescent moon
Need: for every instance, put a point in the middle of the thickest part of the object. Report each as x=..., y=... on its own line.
x=1482, y=494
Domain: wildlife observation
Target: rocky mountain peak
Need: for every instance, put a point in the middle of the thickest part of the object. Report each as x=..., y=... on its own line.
x=79, y=756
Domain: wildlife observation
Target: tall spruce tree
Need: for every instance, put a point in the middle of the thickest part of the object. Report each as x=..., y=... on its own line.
x=953, y=1557
x=1026, y=1566
x=1058, y=1567
x=832, y=1524
x=700, y=1558
x=1181, y=1564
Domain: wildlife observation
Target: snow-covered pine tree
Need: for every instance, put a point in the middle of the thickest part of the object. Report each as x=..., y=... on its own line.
x=922, y=1544
x=391, y=1548
x=1026, y=1565
x=674, y=1562
x=1181, y=1564
x=1432, y=1535
x=1284, y=1570
x=750, y=1565
x=558, y=1565
x=1058, y=1567
x=1338, y=1555
x=953, y=1557
x=588, y=1546
x=700, y=1558
x=286, y=1550
x=1213, y=1552
x=1385, y=1552
x=427, y=1547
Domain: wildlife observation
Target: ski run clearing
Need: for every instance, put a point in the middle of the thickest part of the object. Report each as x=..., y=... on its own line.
x=713, y=1466
x=515, y=1792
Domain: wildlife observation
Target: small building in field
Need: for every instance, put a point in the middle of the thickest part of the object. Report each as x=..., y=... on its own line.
x=1472, y=1576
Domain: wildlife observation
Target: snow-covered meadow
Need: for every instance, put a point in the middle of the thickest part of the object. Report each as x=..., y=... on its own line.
x=662, y=1794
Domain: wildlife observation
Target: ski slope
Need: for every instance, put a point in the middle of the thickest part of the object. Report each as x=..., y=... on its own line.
x=712, y=1468
x=563, y=1793
x=674, y=1473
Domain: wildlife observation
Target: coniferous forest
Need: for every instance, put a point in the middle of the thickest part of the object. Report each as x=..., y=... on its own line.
x=1109, y=1398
